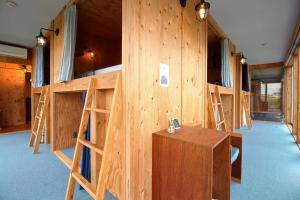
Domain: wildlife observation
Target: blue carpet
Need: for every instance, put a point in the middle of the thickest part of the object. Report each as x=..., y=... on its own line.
x=25, y=176
x=271, y=164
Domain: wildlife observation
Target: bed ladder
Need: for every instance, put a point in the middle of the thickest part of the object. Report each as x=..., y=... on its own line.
x=96, y=192
x=214, y=105
x=40, y=119
x=246, y=106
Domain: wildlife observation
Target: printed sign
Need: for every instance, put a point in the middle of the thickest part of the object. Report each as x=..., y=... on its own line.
x=164, y=75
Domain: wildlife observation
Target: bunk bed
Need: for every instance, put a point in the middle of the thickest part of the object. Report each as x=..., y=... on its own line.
x=67, y=113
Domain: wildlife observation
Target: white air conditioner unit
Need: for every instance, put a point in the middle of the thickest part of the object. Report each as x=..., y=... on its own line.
x=11, y=51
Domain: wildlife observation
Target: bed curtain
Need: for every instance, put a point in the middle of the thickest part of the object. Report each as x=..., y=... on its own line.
x=245, y=77
x=39, y=67
x=69, y=42
x=225, y=63
x=86, y=155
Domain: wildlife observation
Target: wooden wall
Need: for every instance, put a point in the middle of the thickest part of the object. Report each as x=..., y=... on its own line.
x=107, y=52
x=291, y=104
x=157, y=32
x=12, y=95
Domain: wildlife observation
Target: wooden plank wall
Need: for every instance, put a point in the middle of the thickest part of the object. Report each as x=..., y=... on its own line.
x=295, y=61
x=238, y=89
x=12, y=95
x=155, y=32
x=293, y=67
x=287, y=94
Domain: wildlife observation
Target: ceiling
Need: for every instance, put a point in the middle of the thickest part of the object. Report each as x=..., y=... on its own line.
x=20, y=25
x=251, y=23
x=107, y=15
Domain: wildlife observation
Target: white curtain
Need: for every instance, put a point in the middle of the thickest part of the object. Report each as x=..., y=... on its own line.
x=39, y=67
x=225, y=63
x=70, y=27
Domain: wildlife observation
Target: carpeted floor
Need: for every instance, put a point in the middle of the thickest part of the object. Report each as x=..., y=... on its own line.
x=271, y=164
x=271, y=168
x=25, y=176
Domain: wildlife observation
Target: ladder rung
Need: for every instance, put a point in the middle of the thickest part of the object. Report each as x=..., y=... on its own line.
x=98, y=110
x=90, y=145
x=34, y=133
x=85, y=184
x=65, y=159
x=222, y=122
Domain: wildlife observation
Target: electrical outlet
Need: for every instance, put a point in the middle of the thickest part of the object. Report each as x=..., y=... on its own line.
x=75, y=134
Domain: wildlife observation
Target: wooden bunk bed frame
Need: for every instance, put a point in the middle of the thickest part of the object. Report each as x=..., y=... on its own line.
x=236, y=140
x=66, y=97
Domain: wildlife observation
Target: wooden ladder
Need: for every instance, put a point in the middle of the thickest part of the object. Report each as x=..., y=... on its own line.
x=40, y=119
x=246, y=106
x=214, y=106
x=96, y=192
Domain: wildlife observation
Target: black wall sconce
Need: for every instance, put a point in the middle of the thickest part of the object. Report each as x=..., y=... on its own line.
x=201, y=9
x=183, y=3
x=243, y=58
x=41, y=39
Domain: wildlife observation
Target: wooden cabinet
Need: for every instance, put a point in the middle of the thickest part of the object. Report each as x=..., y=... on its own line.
x=191, y=164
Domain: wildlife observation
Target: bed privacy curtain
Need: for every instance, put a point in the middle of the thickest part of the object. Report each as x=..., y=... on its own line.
x=245, y=82
x=39, y=67
x=86, y=155
x=70, y=27
x=225, y=63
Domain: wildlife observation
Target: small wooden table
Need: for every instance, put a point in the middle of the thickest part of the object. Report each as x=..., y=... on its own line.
x=192, y=163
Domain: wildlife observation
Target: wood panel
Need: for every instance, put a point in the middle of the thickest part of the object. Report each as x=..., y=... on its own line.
x=296, y=94
x=267, y=65
x=12, y=95
x=297, y=83
x=152, y=35
x=194, y=44
x=238, y=89
x=67, y=115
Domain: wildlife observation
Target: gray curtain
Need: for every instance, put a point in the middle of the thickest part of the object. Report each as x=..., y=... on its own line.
x=39, y=67
x=67, y=64
x=225, y=63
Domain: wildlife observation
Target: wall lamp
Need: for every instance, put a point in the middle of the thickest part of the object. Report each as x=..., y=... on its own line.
x=201, y=9
x=243, y=59
x=41, y=39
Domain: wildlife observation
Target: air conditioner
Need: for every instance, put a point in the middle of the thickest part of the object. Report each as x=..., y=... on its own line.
x=11, y=51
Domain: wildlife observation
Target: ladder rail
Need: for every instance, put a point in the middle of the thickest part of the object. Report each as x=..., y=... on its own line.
x=40, y=118
x=97, y=192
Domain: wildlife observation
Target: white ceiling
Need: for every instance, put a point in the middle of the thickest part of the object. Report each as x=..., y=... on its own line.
x=249, y=23
x=21, y=24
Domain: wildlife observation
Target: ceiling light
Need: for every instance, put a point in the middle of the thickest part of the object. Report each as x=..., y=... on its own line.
x=202, y=10
x=91, y=53
x=243, y=59
x=11, y=4
x=41, y=39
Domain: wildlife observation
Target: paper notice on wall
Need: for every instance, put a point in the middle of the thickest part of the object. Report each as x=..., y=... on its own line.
x=164, y=75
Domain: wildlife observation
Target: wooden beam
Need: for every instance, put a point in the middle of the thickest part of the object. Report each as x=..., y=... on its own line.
x=267, y=65
x=293, y=40
x=103, y=81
